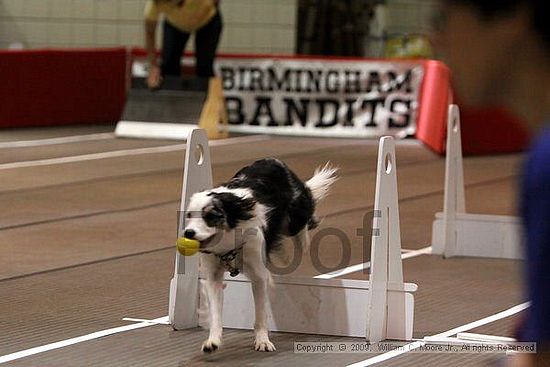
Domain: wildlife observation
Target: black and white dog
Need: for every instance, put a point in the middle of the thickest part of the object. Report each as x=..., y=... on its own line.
x=241, y=222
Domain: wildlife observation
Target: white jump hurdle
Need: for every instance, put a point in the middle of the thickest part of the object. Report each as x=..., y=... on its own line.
x=457, y=233
x=382, y=308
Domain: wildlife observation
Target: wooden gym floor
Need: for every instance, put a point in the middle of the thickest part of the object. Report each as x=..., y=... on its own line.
x=87, y=228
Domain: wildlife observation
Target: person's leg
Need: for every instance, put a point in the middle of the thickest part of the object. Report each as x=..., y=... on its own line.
x=173, y=44
x=206, y=43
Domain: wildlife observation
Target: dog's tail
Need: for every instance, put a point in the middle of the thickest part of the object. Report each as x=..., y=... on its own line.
x=321, y=181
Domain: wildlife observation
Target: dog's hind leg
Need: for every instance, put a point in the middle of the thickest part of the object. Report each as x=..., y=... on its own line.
x=260, y=279
x=214, y=291
x=302, y=239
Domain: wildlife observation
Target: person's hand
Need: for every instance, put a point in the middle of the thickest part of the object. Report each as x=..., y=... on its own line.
x=520, y=360
x=154, y=79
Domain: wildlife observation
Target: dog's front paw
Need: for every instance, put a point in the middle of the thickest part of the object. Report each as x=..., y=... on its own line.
x=210, y=345
x=264, y=345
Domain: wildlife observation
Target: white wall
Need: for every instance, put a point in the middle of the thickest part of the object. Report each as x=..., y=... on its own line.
x=409, y=16
x=258, y=26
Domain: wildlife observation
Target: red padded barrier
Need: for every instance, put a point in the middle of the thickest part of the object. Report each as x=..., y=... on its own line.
x=491, y=130
x=434, y=99
x=485, y=130
x=54, y=87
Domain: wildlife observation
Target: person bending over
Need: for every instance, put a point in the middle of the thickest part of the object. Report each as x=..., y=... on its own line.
x=182, y=17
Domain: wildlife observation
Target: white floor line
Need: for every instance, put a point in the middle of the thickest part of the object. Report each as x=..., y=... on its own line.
x=485, y=338
x=366, y=265
x=79, y=339
x=141, y=323
x=127, y=152
x=417, y=344
x=487, y=320
x=59, y=140
x=465, y=338
x=160, y=321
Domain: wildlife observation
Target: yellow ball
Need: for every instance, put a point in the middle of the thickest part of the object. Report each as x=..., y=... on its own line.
x=187, y=246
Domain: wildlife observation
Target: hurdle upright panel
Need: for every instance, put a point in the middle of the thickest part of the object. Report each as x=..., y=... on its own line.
x=458, y=233
x=184, y=291
x=390, y=313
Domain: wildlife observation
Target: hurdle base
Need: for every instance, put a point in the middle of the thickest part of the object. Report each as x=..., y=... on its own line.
x=479, y=235
x=401, y=309
x=191, y=104
x=317, y=306
x=151, y=130
x=183, y=297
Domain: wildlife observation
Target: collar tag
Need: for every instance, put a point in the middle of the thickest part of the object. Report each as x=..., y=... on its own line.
x=226, y=260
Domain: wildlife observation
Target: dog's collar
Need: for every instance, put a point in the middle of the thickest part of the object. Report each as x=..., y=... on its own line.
x=227, y=259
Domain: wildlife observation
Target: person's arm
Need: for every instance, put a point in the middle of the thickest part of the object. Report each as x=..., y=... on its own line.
x=151, y=14
x=154, y=78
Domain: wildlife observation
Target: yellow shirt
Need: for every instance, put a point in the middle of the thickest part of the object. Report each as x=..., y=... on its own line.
x=188, y=17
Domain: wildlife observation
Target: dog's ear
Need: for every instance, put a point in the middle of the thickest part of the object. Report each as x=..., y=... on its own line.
x=235, y=208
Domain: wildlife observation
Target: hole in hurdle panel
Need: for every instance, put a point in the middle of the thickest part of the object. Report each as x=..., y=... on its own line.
x=455, y=124
x=388, y=163
x=199, y=154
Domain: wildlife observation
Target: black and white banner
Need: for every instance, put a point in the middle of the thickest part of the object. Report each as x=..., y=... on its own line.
x=321, y=97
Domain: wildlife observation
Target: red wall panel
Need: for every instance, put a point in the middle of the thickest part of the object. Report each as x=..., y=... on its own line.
x=54, y=87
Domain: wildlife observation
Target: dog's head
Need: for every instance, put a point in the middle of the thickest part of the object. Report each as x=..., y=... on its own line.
x=211, y=215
